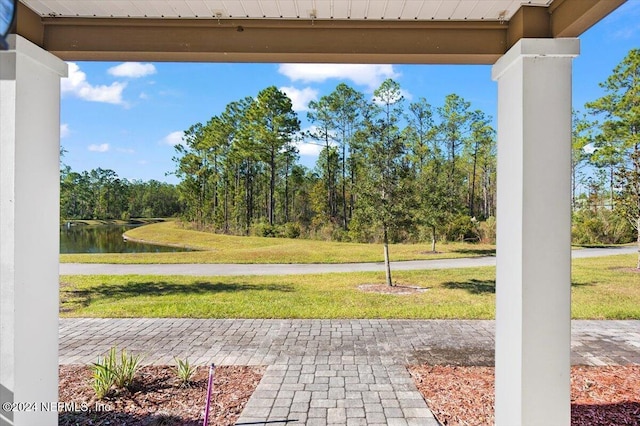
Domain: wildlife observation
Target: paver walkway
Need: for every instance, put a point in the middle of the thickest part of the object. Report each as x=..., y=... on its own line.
x=346, y=372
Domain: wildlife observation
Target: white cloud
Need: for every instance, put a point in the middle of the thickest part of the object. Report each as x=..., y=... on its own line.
x=308, y=146
x=103, y=147
x=126, y=150
x=362, y=74
x=406, y=94
x=77, y=85
x=64, y=130
x=132, y=70
x=589, y=148
x=173, y=138
x=308, y=149
x=300, y=98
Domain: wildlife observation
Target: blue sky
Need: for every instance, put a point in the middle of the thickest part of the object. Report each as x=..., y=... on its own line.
x=128, y=116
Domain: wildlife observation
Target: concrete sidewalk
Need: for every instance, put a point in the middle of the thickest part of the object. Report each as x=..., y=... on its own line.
x=313, y=268
x=347, y=372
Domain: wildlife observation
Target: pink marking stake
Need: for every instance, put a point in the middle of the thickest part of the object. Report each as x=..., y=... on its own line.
x=209, y=389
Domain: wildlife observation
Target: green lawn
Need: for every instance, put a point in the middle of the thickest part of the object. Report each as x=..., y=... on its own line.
x=601, y=289
x=218, y=248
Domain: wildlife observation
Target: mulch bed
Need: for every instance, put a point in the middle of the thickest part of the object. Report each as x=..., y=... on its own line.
x=396, y=289
x=157, y=398
x=600, y=396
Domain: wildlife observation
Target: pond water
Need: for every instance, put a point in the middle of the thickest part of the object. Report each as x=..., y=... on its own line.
x=104, y=239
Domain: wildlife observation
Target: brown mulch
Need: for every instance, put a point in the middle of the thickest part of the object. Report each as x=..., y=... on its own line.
x=157, y=398
x=396, y=289
x=604, y=396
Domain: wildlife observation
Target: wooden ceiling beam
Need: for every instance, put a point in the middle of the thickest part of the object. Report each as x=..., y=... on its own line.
x=571, y=18
x=528, y=22
x=274, y=40
x=29, y=24
x=282, y=40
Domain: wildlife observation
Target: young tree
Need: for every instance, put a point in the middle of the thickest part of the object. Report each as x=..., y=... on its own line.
x=425, y=158
x=430, y=188
x=383, y=191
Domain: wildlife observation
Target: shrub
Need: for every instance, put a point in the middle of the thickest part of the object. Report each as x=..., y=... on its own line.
x=185, y=371
x=600, y=227
x=327, y=231
x=263, y=229
x=108, y=372
x=462, y=228
x=487, y=230
x=291, y=230
x=126, y=370
x=104, y=374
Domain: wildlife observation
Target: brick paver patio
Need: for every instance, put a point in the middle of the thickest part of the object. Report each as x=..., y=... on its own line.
x=322, y=372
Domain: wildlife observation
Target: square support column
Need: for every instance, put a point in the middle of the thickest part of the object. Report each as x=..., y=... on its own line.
x=533, y=279
x=29, y=229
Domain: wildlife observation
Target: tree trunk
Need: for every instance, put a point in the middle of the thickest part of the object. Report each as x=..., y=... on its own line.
x=473, y=182
x=345, y=222
x=226, y=204
x=286, y=192
x=330, y=207
x=433, y=239
x=611, y=171
x=272, y=188
x=215, y=187
x=387, y=265
x=638, y=232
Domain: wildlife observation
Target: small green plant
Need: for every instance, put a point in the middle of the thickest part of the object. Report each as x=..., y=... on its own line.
x=185, y=371
x=126, y=370
x=104, y=374
x=108, y=372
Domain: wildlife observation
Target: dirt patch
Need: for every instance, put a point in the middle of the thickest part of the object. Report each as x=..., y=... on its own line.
x=396, y=289
x=632, y=270
x=157, y=398
x=465, y=395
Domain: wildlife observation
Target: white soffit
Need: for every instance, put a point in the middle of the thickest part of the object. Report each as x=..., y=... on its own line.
x=424, y=10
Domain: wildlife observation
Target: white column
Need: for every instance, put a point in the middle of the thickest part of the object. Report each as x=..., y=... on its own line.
x=533, y=286
x=29, y=228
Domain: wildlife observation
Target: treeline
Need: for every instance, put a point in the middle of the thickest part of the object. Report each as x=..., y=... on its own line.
x=101, y=194
x=606, y=160
x=388, y=169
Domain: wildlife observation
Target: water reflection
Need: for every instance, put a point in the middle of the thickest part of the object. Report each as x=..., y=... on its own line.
x=104, y=239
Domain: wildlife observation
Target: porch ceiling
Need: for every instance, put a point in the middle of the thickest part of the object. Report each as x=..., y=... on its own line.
x=286, y=9
x=366, y=31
